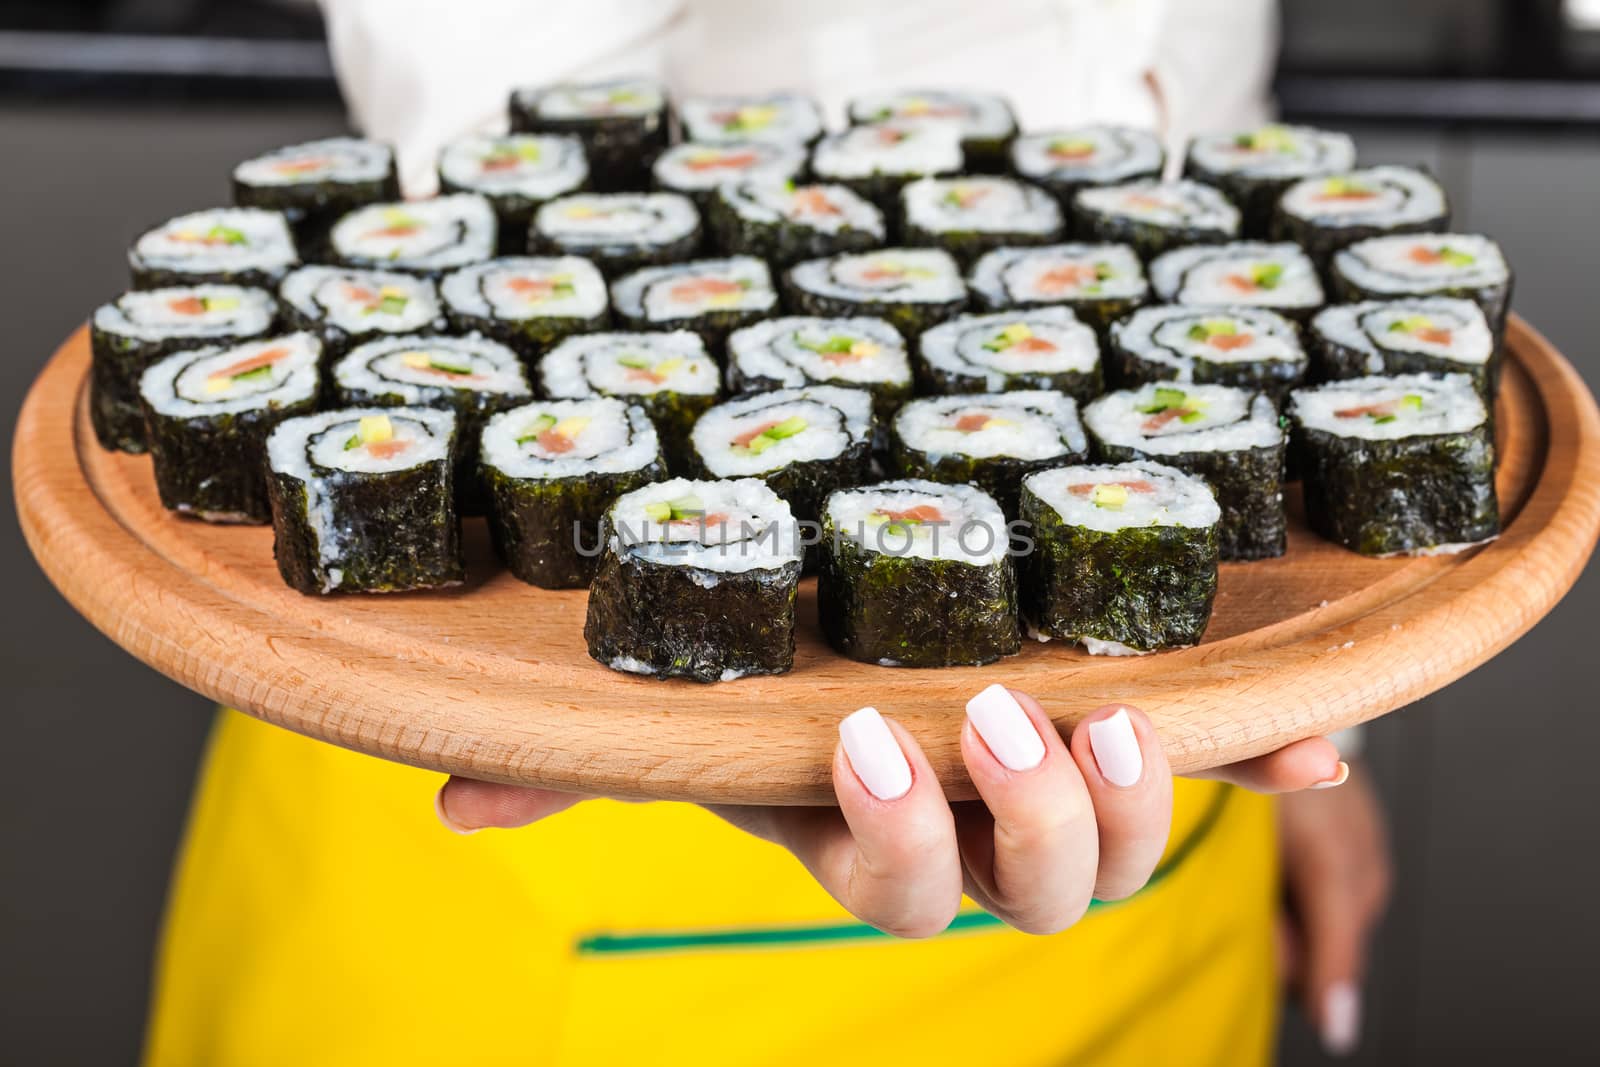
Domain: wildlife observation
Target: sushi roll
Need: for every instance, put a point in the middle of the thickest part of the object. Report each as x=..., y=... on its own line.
x=1278, y=277
x=1039, y=348
x=804, y=443
x=618, y=232
x=1250, y=348
x=785, y=223
x=517, y=172
x=1255, y=167
x=876, y=161
x=712, y=297
x=668, y=374
x=1463, y=265
x=137, y=328
x=1155, y=216
x=698, y=170
x=1124, y=558
x=316, y=182
x=913, y=288
x=552, y=468
x=1419, y=335
x=345, y=307
x=1065, y=161
x=801, y=350
x=1231, y=437
x=970, y=216
x=1101, y=283
x=1323, y=215
x=778, y=118
x=917, y=574
x=1398, y=466
x=622, y=123
x=362, y=502
x=987, y=441
x=424, y=237
x=208, y=412
x=471, y=376
x=982, y=121
x=696, y=580
x=224, y=246
x=527, y=302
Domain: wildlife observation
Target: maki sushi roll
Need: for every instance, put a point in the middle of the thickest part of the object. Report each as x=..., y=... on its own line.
x=779, y=118
x=784, y=223
x=1323, y=215
x=1155, y=216
x=622, y=123
x=668, y=374
x=516, y=173
x=801, y=350
x=425, y=237
x=1434, y=264
x=1041, y=348
x=697, y=170
x=1124, y=559
x=362, y=502
x=618, y=232
x=345, y=307
x=917, y=574
x=208, y=412
x=1398, y=466
x=1065, y=161
x=987, y=441
x=224, y=246
x=696, y=580
x=970, y=216
x=552, y=468
x=1101, y=283
x=1250, y=348
x=1255, y=167
x=1231, y=437
x=137, y=328
x=712, y=297
x=875, y=161
x=471, y=376
x=316, y=182
x=1420, y=335
x=982, y=121
x=913, y=288
x=804, y=443
x=1278, y=277
x=527, y=302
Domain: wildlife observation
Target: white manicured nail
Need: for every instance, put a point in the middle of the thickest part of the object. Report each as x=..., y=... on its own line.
x=1341, y=1019
x=449, y=823
x=1006, y=728
x=1340, y=777
x=875, y=755
x=1116, y=749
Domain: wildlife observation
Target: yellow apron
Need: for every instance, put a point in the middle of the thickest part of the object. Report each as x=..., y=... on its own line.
x=320, y=915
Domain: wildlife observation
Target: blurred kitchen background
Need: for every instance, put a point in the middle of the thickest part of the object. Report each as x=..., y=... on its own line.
x=117, y=113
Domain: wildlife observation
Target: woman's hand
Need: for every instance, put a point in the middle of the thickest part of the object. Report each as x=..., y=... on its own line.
x=1059, y=822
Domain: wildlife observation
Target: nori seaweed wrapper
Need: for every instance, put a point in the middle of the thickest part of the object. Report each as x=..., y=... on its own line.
x=529, y=337
x=618, y=259
x=713, y=325
x=909, y=317
x=674, y=415
x=1148, y=237
x=620, y=148
x=783, y=242
x=806, y=484
x=1494, y=300
x=1334, y=360
x=887, y=397
x=212, y=466
x=313, y=207
x=1321, y=242
x=1082, y=386
x=1130, y=369
x=541, y=527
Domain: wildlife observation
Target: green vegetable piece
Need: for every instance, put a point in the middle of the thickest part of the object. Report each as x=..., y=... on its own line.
x=1204, y=331
x=220, y=303
x=1411, y=402
x=1164, y=399
x=787, y=428
x=1411, y=324
x=353, y=441
x=658, y=511
x=444, y=363
x=389, y=305
x=537, y=427
x=687, y=506
x=227, y=235
x=1267, y=275
x=1457, y=258
x=255, y=374
x=634, y=362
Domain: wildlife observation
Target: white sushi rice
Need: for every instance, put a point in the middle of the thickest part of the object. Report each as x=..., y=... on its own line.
x=601, y=435
x=696, y=167
x=422, y=235
x=533, y=165
x=1009, y=276
x=1179, y=337
x=835, y=419
x=681, y=291
x=526, y=287
x=616, y=222
x=1028, y=424
x=221, y=241
x=798, y=350
x=615, y=97
x=1218, y=418
x=1374, y=196
x=1252, y=273
x=783, y=118
x=197, y=312
x=970, y=527
x=363, y=301
x=1093, y=155
x=630, y=364
x=979, y=205
x=197, y=383
x=901, y=275
x=896, y=149
x=739, y=526
x=824, y=208
x=1382, y=408
x=343, y=160
x=1275, y=152
x=1377, y=327
x=974, y=116
x=1178, y=204
x=987, y=346
x=422, y=368
x=1423, y=263
x=1154, y=494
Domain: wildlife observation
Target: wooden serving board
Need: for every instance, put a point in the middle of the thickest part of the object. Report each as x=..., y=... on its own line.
x=493, y=680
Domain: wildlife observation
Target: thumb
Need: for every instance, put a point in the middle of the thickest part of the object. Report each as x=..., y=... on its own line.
x=466, y=805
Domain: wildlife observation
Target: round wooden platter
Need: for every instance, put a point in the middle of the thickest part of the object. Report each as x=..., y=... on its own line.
x=493, y=680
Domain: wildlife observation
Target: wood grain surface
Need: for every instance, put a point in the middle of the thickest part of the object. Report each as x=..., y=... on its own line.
x=493, y=680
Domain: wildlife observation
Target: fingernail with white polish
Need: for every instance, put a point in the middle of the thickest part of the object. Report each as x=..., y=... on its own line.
x=1340, y=776
x=449, y=823
x=875, y=755
x=1341, y=1019
x=1116, y=749
x=1006, y=729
